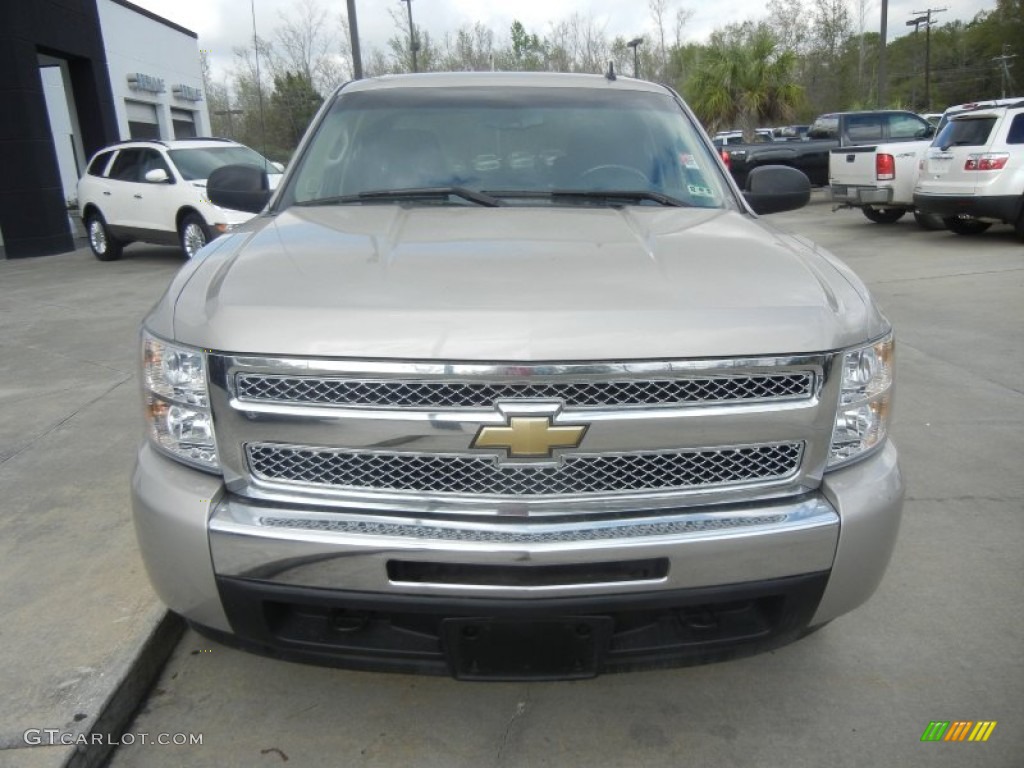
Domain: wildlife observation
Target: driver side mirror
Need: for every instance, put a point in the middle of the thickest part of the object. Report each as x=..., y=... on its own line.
x=777, y=188
x=157, y=176
x=239, y=187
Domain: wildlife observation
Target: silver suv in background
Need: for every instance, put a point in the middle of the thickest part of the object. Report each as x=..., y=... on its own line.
x=973, y=173
x=510, y=381
x=155, y=191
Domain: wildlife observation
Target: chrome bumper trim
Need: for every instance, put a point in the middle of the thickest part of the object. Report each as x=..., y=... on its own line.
x=336, y=550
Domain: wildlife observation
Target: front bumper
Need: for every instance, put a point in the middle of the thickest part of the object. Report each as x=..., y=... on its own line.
x=1002, y=208
x=683, y=586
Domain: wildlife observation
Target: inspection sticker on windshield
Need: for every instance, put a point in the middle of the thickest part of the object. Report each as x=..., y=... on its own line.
x=688, y=161
x=698, y=191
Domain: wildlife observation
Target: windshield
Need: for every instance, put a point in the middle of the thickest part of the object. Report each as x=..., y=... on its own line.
x=521, y=145
x=200, y=162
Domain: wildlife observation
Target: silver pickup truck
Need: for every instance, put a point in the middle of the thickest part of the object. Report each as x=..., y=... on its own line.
x=509, y=381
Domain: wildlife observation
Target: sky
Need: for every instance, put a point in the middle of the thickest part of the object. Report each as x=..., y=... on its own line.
x=224, y=24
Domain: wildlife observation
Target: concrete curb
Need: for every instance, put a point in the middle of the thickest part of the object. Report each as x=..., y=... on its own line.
x=130, y=689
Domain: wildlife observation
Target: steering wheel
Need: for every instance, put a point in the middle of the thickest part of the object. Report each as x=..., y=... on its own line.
x=613, y=171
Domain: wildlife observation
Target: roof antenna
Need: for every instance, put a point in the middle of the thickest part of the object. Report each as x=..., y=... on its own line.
x=610, y=74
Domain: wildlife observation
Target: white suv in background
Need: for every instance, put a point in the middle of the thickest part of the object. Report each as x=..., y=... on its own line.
x=973, y=173
x=155, y=191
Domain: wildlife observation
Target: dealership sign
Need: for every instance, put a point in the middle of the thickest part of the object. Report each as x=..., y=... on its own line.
x=141, y=82
x=187, y=92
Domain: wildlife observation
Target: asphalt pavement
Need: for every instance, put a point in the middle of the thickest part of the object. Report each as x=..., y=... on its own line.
x=943, y=639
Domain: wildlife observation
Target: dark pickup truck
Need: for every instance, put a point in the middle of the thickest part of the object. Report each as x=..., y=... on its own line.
x=828, y=132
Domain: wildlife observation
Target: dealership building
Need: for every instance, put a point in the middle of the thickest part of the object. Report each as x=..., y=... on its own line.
x=76, y=75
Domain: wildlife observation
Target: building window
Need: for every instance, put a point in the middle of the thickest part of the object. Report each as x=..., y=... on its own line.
x=184, y=123
x=142, y=120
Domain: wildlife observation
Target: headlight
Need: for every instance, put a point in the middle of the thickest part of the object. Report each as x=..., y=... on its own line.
x=177, y=402
x=865, y=402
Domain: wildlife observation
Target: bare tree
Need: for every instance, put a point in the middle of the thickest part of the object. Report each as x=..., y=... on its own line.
x=788, y=20
x=863, y=6
x=471, y=48
x=832, y=26
x=304, y=47
x=656, y=61
x=578, y=44
x=683, y=16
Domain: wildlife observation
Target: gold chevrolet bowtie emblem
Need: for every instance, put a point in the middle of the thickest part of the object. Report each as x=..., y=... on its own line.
x=527, y=436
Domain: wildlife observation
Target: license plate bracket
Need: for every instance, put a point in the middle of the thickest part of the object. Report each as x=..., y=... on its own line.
x=562, y=648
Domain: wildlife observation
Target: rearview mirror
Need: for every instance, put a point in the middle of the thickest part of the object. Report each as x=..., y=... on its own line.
x=157, y=176
x=777, y=188
x=239, y=187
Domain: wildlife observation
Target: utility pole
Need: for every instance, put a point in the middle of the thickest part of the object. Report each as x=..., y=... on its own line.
x=883, y=82
x=413, y=45
x=1004, y=68
x=926, y=15
x=353, y=34
x=916, y=23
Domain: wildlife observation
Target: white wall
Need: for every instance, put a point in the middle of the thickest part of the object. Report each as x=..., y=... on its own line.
x=66, y=140
x=136, y=43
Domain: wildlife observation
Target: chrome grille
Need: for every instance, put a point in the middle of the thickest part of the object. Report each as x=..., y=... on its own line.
x=551, y=536
x=404, y=393
x=483, y=475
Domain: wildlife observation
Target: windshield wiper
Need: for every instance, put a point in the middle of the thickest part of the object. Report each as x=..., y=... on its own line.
x=416, y=193
x=628, y=195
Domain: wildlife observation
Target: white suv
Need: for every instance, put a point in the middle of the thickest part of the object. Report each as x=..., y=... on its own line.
x=155, y=191
x=973, y=173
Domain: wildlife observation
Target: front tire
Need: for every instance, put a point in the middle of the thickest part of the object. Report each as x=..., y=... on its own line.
x=929, y=221
x=193, y=234
x=884, y=215
x=104, y=246
x=966, y=226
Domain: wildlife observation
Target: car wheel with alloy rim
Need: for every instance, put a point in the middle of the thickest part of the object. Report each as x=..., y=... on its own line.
x=104, y=246
x=193, y=235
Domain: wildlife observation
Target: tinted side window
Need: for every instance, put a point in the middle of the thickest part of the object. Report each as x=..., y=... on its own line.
x=966, y=132
x=907, y=127
x=1016, y=134
x=152, y=160
x=99, y=164
x=126, y=166
x=864, y=127
x=825, y=127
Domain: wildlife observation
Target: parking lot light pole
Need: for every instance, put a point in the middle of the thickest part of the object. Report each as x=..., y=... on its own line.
x=413, y=45
x=353, y=33
x=634, y=44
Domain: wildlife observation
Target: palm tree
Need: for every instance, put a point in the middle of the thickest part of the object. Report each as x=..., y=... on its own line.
x=744, y=80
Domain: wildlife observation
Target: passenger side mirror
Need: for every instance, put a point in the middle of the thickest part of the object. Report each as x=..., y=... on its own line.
x=157, y=176
x=777, y=188
x=239, y=188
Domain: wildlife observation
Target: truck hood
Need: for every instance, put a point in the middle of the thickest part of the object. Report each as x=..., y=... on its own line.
x=426, y=282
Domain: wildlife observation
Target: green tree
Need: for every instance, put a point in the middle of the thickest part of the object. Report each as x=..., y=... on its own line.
x=292, y=106
x=527, y=50
x=744, y=79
